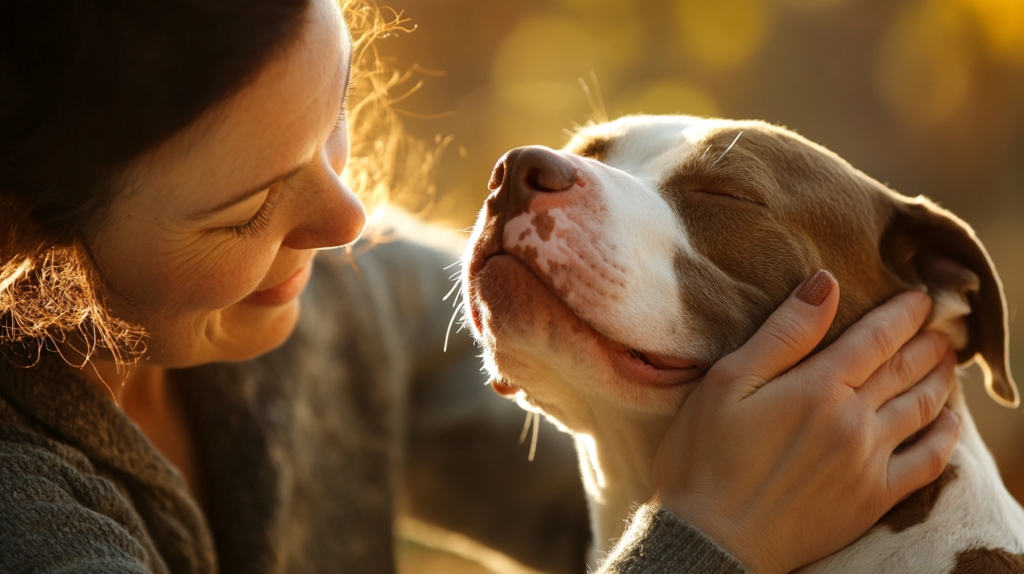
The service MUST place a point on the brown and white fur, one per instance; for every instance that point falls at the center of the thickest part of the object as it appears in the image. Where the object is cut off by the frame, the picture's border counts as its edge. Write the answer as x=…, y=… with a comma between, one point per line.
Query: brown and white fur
x=603, y=279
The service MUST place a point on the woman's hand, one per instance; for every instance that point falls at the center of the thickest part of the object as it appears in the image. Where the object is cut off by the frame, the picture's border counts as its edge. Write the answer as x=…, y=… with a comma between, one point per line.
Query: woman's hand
x=784, y=465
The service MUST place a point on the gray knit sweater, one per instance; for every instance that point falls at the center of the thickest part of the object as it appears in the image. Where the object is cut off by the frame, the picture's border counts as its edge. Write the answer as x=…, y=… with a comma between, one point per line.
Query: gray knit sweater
x=309, y=453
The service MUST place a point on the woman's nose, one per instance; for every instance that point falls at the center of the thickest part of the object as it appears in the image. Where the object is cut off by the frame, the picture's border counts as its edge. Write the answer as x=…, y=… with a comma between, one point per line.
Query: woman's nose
x=327, y=214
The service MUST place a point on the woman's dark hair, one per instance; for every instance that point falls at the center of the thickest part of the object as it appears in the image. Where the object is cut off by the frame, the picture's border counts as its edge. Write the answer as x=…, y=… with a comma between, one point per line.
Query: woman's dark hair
x=86, y=87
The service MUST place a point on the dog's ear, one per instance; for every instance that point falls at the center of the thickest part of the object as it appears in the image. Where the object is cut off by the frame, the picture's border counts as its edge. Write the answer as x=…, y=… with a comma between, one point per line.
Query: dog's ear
x=929, y=248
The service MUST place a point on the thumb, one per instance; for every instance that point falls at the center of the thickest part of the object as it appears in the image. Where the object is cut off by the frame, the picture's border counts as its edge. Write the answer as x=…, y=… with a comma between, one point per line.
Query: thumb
x=789, y=334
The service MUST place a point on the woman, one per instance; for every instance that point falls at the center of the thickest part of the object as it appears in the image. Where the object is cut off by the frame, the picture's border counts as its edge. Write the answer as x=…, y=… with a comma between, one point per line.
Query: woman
x=169, y=170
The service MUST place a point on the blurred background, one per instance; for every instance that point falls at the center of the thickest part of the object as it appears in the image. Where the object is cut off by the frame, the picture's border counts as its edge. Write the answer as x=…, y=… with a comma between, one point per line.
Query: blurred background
x=925, y=95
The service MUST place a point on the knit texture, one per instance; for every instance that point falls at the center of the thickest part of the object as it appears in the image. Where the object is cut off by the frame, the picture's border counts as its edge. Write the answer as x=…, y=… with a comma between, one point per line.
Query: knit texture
x=657, y=542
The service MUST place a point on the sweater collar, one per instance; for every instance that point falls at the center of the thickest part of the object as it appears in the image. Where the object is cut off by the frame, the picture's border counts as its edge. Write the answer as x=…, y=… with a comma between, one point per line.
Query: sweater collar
x=77, y=413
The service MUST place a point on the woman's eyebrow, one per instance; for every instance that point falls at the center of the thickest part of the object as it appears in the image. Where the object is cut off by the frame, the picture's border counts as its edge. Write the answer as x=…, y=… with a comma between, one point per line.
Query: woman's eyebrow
x=244, y=196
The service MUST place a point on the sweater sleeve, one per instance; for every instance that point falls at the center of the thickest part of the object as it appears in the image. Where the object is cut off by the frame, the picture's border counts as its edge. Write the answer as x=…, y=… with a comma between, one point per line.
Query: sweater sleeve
x=658, y=542
x=56, y=516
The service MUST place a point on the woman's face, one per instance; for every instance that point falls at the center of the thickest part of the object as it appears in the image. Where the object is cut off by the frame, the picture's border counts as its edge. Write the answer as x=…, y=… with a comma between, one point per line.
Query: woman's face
x=212, y=241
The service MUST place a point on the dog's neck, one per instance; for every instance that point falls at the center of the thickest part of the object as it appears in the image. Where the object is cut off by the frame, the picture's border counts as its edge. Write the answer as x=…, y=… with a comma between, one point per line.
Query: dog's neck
x=616, y=459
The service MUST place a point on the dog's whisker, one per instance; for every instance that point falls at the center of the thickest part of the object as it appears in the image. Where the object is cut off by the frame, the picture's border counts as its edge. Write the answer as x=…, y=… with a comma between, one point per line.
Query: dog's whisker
x=454, y=287
x=595, y=99
x=452, y=321
x=536, y=431
x=726, y=150
x=453, y=264
x=526, y=427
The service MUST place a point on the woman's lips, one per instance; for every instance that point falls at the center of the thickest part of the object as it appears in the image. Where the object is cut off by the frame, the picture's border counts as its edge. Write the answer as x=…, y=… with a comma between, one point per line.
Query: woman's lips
x=284, y=291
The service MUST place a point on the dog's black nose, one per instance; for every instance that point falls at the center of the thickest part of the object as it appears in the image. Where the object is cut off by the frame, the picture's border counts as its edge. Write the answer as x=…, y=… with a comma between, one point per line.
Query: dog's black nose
x=526, y=170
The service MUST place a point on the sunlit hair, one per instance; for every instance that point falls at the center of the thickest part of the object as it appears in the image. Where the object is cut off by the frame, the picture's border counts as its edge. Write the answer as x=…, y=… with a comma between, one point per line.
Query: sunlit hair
x=387, y=167
x=51, y=294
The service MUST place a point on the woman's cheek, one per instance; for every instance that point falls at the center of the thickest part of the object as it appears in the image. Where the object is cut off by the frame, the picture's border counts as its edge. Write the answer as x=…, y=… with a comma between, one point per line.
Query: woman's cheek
x=191, y=274
x=217, y=276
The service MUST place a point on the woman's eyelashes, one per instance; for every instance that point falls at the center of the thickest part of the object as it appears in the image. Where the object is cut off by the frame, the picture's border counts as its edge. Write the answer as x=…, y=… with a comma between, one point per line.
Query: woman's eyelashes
x=256, y=225
x=339, y=122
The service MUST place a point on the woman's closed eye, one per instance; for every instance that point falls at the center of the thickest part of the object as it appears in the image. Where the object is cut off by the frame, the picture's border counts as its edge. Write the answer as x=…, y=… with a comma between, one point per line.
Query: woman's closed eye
x=257, y=224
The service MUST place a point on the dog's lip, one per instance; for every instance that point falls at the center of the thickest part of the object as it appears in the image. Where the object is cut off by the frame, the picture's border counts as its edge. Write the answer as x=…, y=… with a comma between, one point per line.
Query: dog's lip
x=476, y=265
x=652, y=368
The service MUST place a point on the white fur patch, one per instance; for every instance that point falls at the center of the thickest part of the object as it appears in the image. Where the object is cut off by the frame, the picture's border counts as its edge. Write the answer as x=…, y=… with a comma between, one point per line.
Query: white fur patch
x=948, y=311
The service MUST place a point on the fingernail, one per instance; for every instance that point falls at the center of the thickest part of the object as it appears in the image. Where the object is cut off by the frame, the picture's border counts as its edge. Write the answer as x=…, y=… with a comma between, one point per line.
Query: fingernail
x=816, y=288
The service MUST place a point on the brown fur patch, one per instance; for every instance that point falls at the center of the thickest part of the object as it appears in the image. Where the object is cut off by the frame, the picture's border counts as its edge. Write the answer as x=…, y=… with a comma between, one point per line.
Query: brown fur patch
x=545, y=224
x=593, y=147
x=988, y=561
x=916, y=508
x=757, y=215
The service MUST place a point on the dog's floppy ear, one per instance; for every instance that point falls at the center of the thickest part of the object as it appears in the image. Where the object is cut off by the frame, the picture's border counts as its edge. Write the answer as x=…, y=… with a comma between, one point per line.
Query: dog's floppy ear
x=930, y=248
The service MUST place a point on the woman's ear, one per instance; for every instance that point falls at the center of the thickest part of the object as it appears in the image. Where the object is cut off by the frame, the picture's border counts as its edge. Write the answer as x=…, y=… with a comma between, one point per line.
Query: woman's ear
x=931, y=249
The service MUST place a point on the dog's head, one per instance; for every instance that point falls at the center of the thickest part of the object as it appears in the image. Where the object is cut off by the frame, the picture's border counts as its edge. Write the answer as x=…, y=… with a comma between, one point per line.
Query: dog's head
x=604, y=279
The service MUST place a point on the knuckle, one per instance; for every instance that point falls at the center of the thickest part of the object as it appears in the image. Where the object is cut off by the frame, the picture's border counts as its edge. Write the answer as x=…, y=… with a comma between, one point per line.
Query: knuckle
x=927, y=407
x=854, y=439
x=884, y=340
x=830, y=397
x=901, y=368
x=788, y=331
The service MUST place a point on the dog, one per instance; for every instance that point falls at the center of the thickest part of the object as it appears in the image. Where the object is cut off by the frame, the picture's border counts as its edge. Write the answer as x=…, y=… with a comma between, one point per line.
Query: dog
x=602, y=280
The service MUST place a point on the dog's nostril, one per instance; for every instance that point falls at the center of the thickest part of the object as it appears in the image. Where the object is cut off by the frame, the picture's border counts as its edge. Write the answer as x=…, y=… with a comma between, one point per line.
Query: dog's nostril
x=497, y=176
x=528, y=170
x=544, y=170
x=533, y=180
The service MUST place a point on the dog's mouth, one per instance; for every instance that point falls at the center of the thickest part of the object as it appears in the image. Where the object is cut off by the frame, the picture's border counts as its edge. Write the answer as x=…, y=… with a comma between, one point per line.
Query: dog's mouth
x=653, y=368
x=631, y=364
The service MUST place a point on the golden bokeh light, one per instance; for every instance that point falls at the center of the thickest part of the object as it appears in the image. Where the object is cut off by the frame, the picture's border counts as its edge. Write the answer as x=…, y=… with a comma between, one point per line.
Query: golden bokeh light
x=601, y=7
x=723, y=33
x=539, y=62
x=923, y=66
x=1002, y=27
x=813, y=4
x=671, y=97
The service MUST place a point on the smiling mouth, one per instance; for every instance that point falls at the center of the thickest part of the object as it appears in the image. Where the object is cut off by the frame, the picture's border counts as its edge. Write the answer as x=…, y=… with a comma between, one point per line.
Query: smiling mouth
x=284, y=291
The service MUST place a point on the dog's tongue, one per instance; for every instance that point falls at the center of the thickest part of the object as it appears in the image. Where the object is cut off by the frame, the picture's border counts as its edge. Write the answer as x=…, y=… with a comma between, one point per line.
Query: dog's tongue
x=666, y=362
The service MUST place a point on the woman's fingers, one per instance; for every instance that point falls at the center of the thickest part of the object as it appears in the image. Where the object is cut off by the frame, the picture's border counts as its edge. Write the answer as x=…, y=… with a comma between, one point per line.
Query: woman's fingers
x=789, y=334
x=871, y=341
x=923, y=461
x=908, y=366
x=908, y=413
